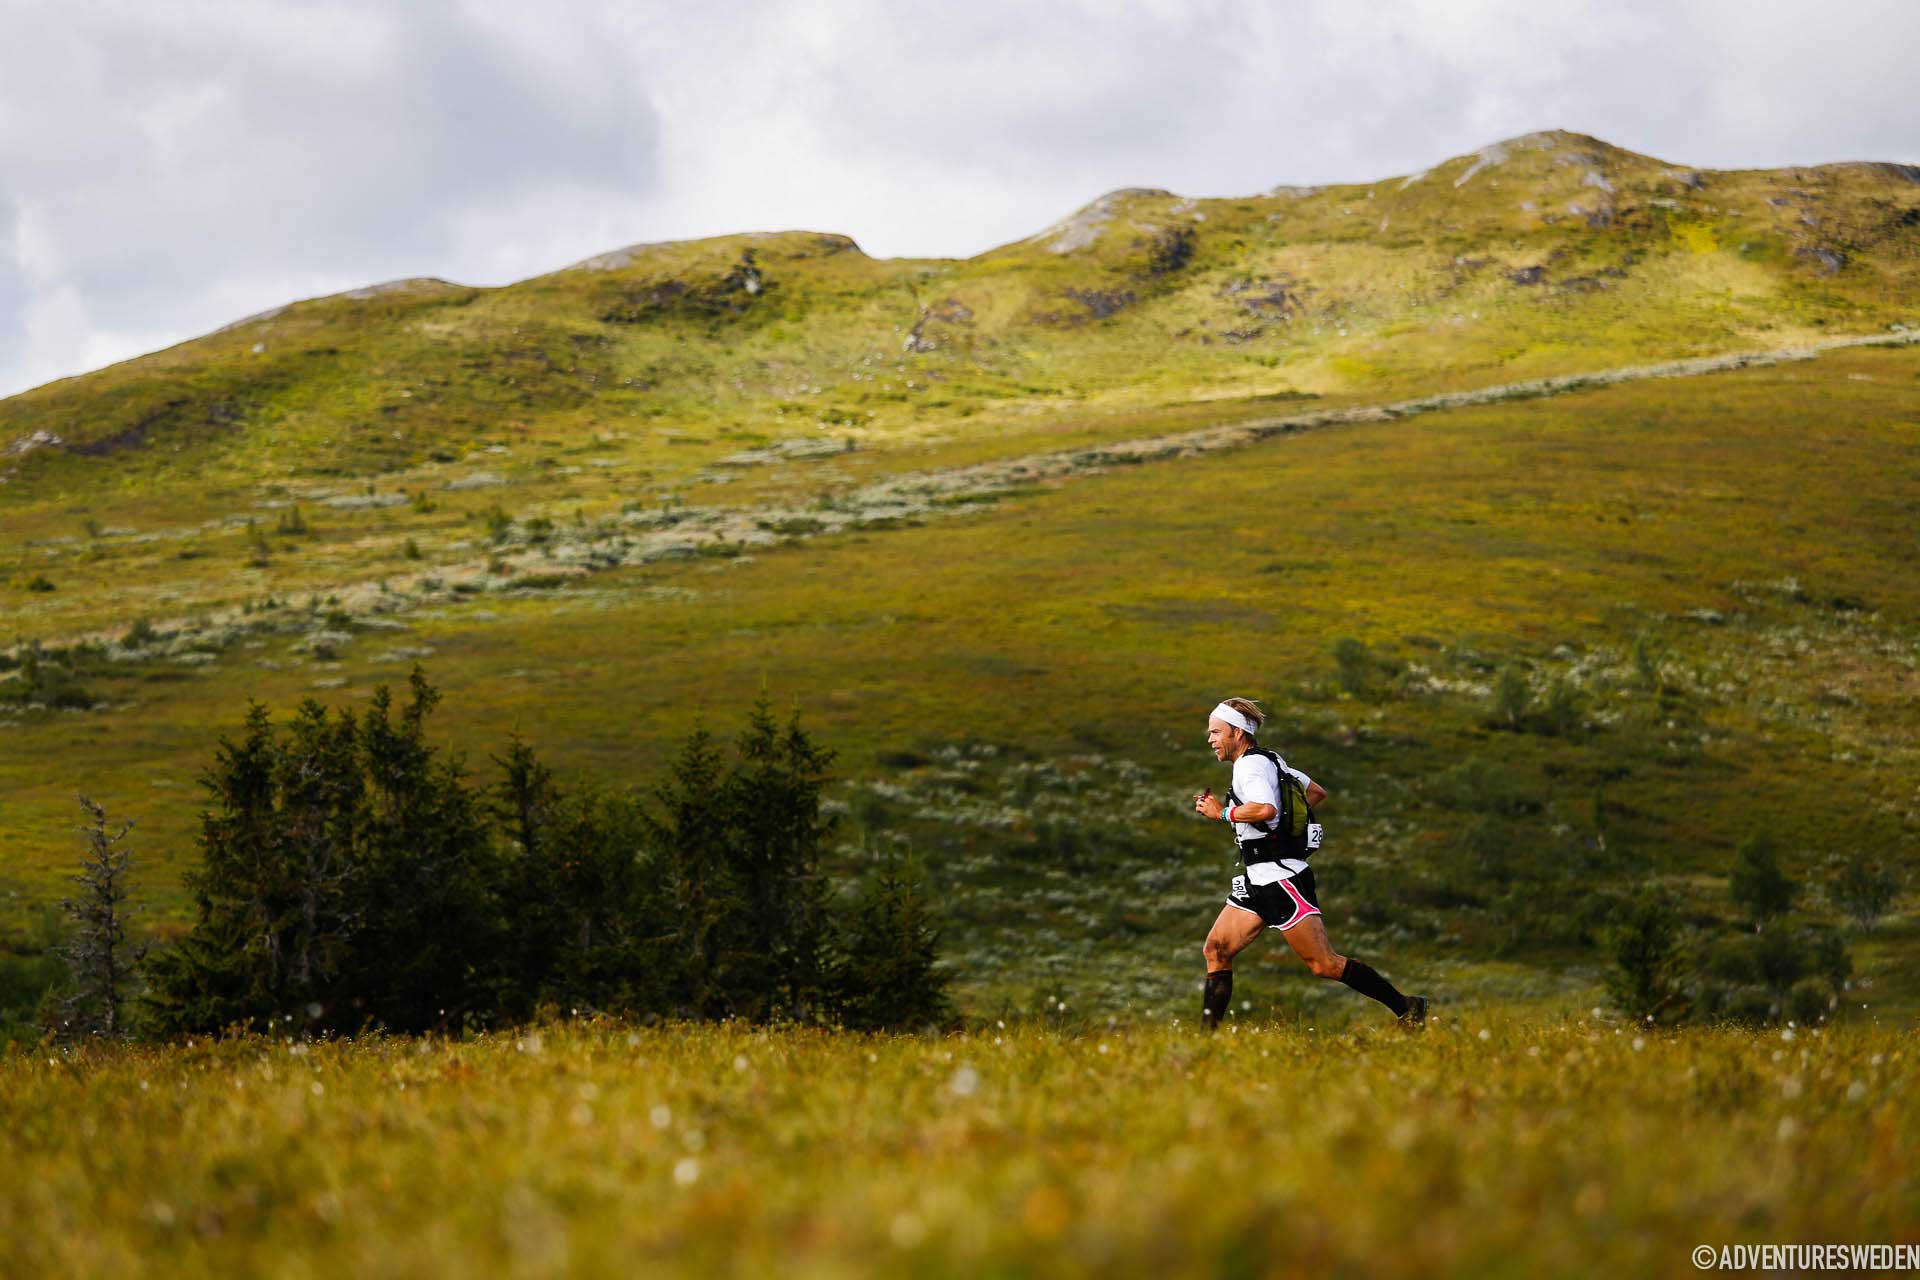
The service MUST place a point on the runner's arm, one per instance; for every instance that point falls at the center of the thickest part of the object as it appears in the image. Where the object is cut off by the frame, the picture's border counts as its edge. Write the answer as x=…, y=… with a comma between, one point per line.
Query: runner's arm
x=1255, y=782
x=1208, y=806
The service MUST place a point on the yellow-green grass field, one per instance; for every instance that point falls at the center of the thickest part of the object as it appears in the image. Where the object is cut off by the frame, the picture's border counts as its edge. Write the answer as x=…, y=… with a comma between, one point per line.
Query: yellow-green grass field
x=1495, y=1145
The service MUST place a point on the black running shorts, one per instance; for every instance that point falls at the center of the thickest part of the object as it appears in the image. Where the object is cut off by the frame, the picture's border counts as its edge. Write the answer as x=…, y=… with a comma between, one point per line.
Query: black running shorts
x=1281, y=903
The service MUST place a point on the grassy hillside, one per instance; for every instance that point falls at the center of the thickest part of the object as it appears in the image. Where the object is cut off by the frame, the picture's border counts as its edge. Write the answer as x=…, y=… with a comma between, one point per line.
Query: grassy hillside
x=1493, y=1146
x=646, y=374
x=1517, y=260
x=1718, y=580
x=1003, y=528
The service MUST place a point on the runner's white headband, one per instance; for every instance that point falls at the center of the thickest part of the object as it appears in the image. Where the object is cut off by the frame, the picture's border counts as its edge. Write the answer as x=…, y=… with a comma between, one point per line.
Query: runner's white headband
x=1232, y=717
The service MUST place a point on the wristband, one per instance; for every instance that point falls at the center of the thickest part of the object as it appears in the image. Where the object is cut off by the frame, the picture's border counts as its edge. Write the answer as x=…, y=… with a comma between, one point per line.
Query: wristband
x=1226, y=813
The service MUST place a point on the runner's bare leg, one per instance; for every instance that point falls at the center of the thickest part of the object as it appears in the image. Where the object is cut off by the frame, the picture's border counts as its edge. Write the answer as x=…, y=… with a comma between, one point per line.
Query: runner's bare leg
x=1232, y=930
x=1309, y=941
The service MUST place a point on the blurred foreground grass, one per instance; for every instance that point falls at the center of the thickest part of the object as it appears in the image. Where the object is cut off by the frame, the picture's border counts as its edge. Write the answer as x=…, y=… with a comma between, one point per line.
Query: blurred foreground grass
x=1496, y=1144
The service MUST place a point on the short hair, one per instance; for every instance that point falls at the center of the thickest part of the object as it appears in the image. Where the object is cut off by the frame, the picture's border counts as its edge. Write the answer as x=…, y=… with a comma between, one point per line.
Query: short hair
x=1248, y=708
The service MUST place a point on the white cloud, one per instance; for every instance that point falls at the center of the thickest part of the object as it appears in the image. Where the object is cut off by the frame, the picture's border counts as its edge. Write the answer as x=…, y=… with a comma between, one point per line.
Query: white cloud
x=166, y=168
x=161, y=164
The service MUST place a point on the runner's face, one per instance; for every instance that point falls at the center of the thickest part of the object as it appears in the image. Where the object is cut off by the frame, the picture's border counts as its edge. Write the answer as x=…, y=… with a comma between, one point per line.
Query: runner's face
x=1223, y=738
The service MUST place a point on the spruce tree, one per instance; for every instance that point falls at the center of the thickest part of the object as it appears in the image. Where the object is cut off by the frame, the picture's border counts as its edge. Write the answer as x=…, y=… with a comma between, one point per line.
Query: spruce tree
x=102, y=963
x=771, y=798
x=886, y=965
x=585, y=921
x=277, y=846
x=1643, y=942
x=1865, y=888
x=425, y=885
x=690, y=834
x=1757, y=884
x=525, y=804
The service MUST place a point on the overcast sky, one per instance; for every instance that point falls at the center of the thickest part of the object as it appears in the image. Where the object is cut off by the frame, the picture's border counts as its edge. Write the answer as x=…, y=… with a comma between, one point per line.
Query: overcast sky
x=167, y=166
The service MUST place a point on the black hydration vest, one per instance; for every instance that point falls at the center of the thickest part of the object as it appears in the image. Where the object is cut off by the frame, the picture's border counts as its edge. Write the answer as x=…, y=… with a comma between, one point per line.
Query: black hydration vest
x=1285, y=835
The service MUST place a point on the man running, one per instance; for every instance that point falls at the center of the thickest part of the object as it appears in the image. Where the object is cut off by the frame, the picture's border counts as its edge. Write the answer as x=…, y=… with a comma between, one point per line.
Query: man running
x=1277, y=887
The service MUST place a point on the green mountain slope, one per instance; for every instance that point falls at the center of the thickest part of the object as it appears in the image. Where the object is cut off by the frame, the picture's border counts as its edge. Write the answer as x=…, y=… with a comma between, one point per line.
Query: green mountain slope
x=640, y=374
x=1541, y=254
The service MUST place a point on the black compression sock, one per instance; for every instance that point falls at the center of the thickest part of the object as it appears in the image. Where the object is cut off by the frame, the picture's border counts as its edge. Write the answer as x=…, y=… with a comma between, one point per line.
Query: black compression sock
x=1362, y=977
x=1215, y=998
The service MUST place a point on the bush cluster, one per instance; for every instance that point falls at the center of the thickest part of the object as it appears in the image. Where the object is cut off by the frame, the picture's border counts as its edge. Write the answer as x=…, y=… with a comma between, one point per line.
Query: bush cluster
x=31, y=973
x=1769, y=965
x=354, y=876
x=49, y=678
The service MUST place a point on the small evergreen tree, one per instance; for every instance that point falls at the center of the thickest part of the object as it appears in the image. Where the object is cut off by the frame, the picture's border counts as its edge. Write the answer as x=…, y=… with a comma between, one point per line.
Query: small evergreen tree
x=585, y=920
x=886, y=969
x=1560, y=714
x=258, y=544
x=102, y=963
x=1643, y=944
x=425, y=890
x=1826, y=954
x=277, y=853
x=771, y=798
x=689, y=834
x=32, y=972
x=525, y=804
x=1865, y=888
x=1757, y=884
x=1511, y=696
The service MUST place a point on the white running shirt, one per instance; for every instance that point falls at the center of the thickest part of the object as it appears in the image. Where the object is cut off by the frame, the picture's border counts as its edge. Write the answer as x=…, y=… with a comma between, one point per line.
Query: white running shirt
x=1256, y=781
